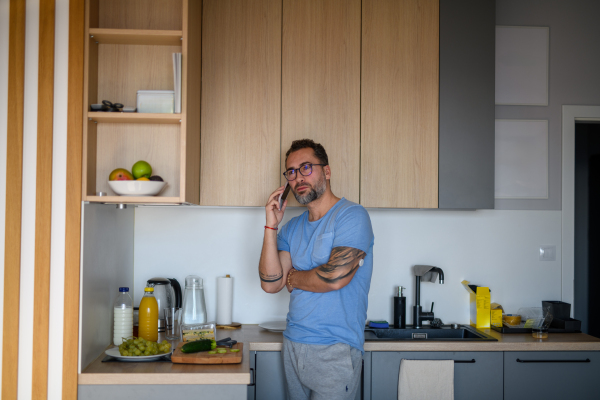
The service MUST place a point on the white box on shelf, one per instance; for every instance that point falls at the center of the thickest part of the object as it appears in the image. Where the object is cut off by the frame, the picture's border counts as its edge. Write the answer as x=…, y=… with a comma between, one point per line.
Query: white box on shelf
x=155, y=101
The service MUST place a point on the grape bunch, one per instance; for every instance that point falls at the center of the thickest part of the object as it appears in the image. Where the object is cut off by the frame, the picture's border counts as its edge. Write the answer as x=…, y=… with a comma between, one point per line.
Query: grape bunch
x=142, y=347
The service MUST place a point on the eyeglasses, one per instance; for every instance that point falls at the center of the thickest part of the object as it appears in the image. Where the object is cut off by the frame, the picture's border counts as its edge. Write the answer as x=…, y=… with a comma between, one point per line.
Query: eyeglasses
x=305, y=170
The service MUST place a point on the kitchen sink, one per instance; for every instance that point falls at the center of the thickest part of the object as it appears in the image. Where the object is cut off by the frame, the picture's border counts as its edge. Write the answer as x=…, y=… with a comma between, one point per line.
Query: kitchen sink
x=446, y=333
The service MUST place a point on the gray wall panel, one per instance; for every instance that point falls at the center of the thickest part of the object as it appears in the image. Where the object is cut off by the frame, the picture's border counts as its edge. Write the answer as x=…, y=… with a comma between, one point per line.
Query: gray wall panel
x=467, y=64
x=573, y=76
x=107, y=264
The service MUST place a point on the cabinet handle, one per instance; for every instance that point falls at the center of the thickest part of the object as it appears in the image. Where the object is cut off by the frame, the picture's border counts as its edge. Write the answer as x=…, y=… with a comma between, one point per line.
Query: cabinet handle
x=471, y=361
x=252, y=378
x=587, y=360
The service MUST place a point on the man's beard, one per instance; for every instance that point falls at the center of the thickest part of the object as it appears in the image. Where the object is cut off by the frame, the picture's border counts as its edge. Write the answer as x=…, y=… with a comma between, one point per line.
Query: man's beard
x=313, y=193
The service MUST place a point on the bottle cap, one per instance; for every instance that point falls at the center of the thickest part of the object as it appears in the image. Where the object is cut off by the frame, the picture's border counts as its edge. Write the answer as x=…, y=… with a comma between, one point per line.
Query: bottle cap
x=123, y=289
x=193, y=282
x=149, y=289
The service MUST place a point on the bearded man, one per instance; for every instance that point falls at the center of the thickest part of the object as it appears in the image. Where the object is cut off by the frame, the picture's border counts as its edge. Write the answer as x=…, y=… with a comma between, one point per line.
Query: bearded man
x=325, y=259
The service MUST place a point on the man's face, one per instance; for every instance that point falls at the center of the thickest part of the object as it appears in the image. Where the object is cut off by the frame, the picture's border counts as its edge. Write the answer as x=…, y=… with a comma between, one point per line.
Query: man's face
x=307, y=188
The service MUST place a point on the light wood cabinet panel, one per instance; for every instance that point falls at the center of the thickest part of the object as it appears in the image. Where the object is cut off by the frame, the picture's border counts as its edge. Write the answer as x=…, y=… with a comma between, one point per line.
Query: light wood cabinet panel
x=124, y=69
x=141, y=14
x=321, y=85
x=241, y=100
x=399, y=103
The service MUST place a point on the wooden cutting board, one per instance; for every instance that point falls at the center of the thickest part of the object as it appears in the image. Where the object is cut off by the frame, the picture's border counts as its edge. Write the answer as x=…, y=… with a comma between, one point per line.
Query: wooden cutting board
x=204, y=358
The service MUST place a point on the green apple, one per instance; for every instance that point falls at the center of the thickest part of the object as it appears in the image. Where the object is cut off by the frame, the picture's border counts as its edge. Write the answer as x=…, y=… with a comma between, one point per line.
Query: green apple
x=120, y=174
x=141, y=169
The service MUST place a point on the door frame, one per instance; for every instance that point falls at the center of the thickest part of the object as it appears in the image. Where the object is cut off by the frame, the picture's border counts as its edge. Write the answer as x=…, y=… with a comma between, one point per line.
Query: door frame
x=570, y=115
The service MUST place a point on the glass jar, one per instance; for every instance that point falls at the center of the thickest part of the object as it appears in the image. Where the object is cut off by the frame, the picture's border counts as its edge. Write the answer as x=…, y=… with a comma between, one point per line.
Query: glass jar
x=193, y=311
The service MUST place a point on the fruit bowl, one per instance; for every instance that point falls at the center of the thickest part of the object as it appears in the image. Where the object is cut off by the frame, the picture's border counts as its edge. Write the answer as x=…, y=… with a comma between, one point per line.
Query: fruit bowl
x=137, y=188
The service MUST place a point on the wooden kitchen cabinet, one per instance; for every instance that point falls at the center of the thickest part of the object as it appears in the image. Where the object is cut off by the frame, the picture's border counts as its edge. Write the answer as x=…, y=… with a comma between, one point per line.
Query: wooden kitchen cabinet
x=399, y=104
x=241, y=102
x=551, y=375
x=321, y=85
x=481, y=378
x=129, y=47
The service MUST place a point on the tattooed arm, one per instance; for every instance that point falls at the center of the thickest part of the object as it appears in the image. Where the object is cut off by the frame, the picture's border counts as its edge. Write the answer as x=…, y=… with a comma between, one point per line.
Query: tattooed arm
x=274, y=265
x=334, y=275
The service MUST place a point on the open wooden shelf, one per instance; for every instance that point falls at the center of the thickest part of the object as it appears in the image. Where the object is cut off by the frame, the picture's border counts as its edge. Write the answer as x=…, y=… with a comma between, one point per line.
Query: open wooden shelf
x=133, y=118
x=133, y=199
x=128, y=47
x=136, y=36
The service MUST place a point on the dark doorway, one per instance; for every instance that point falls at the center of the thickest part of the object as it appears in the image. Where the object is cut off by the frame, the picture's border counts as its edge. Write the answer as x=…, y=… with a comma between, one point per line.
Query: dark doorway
x=587, y=225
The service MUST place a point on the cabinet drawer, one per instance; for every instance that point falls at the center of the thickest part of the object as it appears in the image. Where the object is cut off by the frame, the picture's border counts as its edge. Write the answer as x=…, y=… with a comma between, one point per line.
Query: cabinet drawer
x=551, y=375
x=483, y=376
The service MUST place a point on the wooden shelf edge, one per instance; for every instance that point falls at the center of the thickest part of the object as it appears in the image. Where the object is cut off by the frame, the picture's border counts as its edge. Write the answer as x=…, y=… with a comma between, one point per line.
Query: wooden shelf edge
x=133, y=199
x=137, y=36
x=135, y=118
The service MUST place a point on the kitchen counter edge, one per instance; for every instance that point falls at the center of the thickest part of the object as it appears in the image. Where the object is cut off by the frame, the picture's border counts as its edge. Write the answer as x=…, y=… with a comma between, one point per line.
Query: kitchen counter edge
x=258, y=339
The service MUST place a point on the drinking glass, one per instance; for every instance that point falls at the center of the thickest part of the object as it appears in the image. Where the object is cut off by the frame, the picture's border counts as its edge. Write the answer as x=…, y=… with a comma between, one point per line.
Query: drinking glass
x=172, y=322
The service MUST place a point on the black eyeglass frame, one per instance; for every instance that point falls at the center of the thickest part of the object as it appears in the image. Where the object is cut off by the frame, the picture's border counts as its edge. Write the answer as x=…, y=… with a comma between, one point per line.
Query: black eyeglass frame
x=300, y=171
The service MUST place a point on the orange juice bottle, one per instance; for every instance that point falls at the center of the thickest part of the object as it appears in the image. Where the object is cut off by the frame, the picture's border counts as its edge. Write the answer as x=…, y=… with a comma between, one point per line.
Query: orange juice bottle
x=148, y=318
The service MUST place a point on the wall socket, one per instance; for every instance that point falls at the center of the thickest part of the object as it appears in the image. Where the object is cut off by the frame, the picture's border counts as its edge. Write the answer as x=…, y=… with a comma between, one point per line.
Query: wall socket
x=548, y=253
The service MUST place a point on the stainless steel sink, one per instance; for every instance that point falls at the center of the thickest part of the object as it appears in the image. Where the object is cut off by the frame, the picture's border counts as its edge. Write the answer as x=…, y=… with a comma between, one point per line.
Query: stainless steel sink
x=445, y=333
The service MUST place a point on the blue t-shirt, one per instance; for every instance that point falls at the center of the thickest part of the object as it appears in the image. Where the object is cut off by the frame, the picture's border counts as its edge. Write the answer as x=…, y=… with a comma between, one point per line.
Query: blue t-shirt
x=339, y=315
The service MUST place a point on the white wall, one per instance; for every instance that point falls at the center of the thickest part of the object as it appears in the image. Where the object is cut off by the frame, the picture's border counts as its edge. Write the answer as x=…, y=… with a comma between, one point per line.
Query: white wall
x=495, y=248
x=59, y=194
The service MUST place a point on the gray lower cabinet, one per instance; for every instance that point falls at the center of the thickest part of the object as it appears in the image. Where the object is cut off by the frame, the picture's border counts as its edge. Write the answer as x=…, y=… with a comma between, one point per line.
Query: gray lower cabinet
x=481, y=374
x=551, y=375
x=269, y=376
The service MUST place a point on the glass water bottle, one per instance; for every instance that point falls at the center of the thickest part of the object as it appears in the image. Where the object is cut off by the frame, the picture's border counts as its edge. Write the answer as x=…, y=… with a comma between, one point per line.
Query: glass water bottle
x=193, y=313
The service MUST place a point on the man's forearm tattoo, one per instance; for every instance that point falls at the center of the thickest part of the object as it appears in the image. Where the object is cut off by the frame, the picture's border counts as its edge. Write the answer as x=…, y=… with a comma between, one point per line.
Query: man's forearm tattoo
x=342, y=263
x=270, y=278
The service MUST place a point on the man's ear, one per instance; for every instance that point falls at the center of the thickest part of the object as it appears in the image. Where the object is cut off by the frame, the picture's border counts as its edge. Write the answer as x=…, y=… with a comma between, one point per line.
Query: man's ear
x=327, y=172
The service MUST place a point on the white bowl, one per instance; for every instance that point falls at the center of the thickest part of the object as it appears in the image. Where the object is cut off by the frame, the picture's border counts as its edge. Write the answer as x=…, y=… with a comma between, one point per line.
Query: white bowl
x=137, y=188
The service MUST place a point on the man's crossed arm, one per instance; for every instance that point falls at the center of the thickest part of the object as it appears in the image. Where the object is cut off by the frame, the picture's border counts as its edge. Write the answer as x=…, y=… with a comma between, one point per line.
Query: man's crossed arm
x=333, y=275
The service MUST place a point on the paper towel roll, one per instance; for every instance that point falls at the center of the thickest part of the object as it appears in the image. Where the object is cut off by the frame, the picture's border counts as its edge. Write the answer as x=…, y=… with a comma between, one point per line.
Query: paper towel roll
x=224, y=300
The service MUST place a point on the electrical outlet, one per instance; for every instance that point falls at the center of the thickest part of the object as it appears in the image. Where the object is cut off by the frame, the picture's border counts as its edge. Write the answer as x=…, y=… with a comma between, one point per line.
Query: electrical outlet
x=548, y=253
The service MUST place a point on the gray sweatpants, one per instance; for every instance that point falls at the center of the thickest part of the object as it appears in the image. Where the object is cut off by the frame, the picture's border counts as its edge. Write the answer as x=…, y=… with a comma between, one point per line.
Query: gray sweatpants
x=315, y=372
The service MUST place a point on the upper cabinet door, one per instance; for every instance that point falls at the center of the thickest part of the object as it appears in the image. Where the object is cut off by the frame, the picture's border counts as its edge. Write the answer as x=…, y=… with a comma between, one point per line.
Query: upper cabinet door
x=241, y=98
x=321, y=85
x=399, y=103
x=467, y=109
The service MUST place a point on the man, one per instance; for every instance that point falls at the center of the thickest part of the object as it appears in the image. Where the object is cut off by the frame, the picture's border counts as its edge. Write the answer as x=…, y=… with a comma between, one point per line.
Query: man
x=325, y=258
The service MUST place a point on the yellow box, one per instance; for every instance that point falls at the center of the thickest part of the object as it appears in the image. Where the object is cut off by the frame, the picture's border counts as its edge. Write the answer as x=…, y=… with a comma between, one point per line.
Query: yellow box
x=479, y=306
x=496, y=314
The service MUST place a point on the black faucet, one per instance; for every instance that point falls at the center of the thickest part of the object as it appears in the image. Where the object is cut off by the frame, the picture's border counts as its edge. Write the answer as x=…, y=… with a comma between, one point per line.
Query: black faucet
x=418, y=315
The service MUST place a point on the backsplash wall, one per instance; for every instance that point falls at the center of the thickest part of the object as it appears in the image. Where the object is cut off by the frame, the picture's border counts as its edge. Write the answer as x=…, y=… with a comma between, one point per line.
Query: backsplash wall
x=487, y=247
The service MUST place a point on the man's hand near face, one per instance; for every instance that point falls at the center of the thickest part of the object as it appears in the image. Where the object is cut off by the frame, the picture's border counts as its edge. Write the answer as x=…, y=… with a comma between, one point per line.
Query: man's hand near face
x=273, y=265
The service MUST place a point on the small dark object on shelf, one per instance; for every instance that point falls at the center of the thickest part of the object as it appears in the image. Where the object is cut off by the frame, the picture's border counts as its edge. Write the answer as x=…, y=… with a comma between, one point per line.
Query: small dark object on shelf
x=156, y=178
x=112, y=107
x=98, y=107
